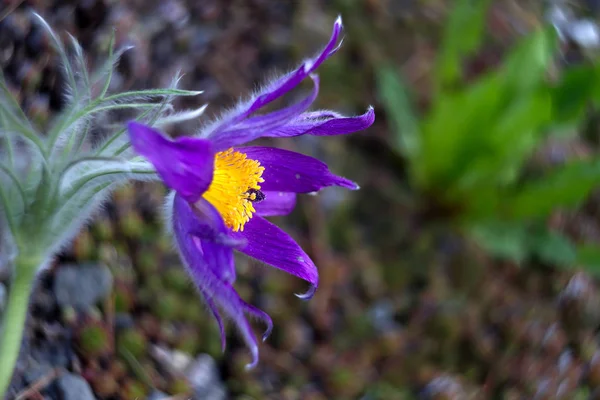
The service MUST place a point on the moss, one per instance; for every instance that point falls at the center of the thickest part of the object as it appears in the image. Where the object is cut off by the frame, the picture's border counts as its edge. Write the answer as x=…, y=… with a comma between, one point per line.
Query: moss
x=176, y=278
x=168, y=306
x=123, y=299
x=133, y=341
x=179, y=386
x=93, y=341
x=133, y=390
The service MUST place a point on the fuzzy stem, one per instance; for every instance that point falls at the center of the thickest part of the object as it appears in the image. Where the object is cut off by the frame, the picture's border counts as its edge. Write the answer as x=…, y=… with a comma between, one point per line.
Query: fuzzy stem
x=14, y=318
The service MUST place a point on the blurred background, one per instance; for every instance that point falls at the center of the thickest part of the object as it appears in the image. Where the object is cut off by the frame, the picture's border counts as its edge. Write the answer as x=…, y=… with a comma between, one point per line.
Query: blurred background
x=465, y=267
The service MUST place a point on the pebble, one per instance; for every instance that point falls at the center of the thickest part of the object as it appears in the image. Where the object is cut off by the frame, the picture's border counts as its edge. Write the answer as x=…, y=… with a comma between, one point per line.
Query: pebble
x=560, y=17
x=381, y=315
x=82, y=286
x=36, y=371
x=124, y=321
x=157, y=395
x=446, y=387
x=53, y=351
x=74, y=387
x=585, y=33
x=203, y=376
x=174, y=360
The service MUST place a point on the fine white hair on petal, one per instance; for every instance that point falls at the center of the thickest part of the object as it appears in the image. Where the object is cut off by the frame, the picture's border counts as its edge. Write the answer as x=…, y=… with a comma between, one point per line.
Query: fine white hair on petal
x=241, y=105
x=181, y=116
x=103, y=170
x=271, y=85
x=168, y=212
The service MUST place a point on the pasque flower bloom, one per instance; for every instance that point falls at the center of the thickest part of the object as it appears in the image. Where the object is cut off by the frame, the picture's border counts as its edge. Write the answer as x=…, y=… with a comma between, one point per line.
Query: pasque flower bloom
x=222, y=192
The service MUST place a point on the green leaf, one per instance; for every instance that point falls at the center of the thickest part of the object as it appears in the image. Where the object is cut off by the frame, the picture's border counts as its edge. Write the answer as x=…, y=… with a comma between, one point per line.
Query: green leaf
x=109, y=65
x=462, y=36
x=96, y=171
x=502, y=239
x=145, y=94
x=588, y=257
x=399, y=109
x=553, y=248
x=566, y=186
x=68, y=68
x=495, y=121
x=454, y=131
x=574, y=93
x=527, y=64
x=14, y=120
x=507, y=144
x=81, y=66
x=16, y=184
x=517, y=241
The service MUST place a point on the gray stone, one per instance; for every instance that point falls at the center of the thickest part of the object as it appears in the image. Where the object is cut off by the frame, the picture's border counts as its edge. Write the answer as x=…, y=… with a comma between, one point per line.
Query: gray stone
x=560, y=17
x=56, y=352
x=123, y=321
x=204, y=378
x=446, y=386
x=74, y=387
x=381, y=315
x=174, y=360
x=82, y=286
x=157, y=395
x=585, y=33
x=216, y=392
x=35, y=371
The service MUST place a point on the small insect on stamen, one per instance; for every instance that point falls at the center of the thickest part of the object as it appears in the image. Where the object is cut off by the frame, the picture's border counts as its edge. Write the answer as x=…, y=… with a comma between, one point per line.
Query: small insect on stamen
x=255, y=195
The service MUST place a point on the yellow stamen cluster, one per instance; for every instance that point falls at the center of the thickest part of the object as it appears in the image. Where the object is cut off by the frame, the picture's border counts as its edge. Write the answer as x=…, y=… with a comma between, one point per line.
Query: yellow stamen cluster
x=233, y=189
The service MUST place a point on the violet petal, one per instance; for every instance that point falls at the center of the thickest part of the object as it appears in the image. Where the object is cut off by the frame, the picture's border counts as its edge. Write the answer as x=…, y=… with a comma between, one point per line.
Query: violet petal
x=209, y=281
x=185, y=164
x=275, y=204
x=271, y=245
x=260, y=125
x=215, y=312
x=288, y=171
x=207, y=235
x=325, y=124
x=280, y=86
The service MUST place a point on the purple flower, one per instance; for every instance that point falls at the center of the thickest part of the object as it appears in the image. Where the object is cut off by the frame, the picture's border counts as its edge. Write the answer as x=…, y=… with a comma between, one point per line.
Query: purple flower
x=223, y=191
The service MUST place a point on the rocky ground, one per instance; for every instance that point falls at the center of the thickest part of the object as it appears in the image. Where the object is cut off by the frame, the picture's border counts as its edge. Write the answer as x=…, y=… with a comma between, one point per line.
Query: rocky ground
x=406, y=309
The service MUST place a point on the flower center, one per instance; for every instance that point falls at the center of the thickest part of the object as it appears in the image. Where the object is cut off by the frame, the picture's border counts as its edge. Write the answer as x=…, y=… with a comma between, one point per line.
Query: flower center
x=235, y=186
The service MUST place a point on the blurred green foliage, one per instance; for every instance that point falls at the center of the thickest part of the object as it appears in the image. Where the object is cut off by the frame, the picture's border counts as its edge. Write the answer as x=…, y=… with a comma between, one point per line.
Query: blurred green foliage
x=470, y=150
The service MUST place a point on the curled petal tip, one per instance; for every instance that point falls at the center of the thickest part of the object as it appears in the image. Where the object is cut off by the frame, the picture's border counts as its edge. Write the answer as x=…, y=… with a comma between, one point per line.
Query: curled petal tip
x=368, y=117
x=348, y=184
x=309, y=294
x=338, y=21
x=254, y=362
x=268, y=330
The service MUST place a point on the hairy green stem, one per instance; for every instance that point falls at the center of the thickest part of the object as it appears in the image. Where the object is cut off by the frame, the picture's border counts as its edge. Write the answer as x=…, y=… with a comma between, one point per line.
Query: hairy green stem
x=14, y=319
